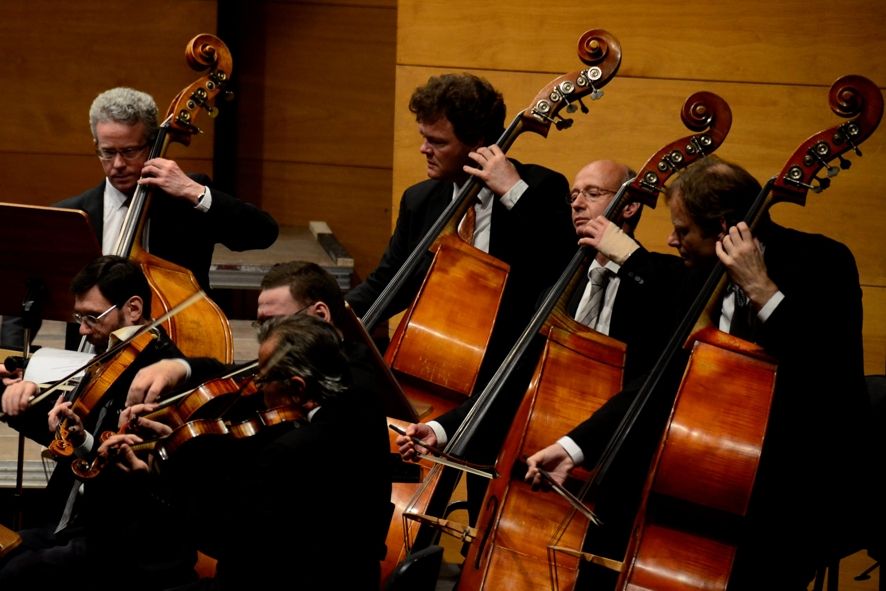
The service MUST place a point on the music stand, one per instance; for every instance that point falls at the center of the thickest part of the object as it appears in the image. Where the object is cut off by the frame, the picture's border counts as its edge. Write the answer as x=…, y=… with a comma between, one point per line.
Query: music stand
x=44, y=248
x=48, y=245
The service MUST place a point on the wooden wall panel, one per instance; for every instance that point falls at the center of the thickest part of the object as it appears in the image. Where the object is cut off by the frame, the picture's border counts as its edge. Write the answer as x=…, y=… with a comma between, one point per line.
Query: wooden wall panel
x=874, y=299
x=353, y=200
x=316, y=110
x=57, y=57
x=787, y=42
x=321, y=92
x=773, y=66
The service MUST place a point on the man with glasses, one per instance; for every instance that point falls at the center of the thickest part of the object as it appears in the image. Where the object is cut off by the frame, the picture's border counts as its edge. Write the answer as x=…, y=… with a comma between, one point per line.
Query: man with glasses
x=187, y=218
x=83, y=539
x=287, y=289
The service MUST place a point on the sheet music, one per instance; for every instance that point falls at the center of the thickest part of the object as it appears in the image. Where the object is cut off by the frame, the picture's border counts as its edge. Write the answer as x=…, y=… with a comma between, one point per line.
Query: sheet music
x=48, y=365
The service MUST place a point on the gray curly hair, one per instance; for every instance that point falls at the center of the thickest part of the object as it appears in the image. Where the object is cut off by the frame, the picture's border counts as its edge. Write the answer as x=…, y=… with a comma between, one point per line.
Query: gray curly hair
x=308, y=347
x=124, y=105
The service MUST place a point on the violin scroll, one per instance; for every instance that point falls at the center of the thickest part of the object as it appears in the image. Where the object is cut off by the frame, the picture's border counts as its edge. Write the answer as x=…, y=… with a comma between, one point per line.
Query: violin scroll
x=850, y=96
x=601, y=52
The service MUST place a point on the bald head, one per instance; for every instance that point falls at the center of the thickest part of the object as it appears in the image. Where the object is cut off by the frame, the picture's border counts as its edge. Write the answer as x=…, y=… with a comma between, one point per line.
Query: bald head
x=593, y=189
x=604, y=174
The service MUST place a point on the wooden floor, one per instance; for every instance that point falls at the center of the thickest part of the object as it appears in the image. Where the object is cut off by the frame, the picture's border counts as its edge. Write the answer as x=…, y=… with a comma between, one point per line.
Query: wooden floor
x=245, y=348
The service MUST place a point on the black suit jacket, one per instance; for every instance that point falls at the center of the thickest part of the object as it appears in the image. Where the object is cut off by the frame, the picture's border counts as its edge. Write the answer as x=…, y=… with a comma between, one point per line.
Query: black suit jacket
x=276, y=520
x=646, y=308
x=181, y=234
x=535, y=238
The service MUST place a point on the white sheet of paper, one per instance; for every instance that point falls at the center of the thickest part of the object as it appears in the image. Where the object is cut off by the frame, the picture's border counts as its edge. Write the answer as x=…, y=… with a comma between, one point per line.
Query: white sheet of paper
x=48, y=365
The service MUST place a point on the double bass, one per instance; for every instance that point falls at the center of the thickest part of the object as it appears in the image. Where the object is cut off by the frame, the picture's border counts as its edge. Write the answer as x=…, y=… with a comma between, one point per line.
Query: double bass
x=577, y=370
x=435, y=359
x=699, y=486
x=438, y=347
x=203, y=330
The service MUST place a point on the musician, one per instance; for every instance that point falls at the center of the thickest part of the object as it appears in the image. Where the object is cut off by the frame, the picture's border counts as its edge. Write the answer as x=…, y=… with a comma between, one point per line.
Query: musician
x=818, y=426
x=276, y=520
x=187, y=217
x=92, y=536
x=287, y=289
x=635, y=308
x=522, y=217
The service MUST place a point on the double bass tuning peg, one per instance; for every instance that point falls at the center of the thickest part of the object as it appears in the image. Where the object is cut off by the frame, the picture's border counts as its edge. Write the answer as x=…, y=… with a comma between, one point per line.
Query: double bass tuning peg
x=563, y=123
x=571, y=108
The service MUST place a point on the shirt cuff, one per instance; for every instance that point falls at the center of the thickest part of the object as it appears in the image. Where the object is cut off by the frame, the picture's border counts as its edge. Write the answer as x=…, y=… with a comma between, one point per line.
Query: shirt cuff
x=204, y=202
x=186, y=364
x=438, y=430
x=770, y=306
x=572, y=449
x=513, y=195
x=82, y=450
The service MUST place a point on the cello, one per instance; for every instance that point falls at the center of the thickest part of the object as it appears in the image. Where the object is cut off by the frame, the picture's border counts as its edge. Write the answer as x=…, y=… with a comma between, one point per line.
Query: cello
x=577, y=370
x=203, y=331
x=434, y=357
x=699, y=486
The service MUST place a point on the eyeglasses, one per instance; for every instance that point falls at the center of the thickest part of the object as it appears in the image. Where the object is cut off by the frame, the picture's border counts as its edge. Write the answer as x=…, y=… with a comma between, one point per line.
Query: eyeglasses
x=90, y=319
x=128, y=154
x=257, y=324
x=589, y=193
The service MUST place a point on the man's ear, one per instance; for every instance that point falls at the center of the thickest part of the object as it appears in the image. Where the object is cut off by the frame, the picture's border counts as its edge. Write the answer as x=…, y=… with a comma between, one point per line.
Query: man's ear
x=321, y=311
x=298, y=383
x=134, y=309
x=630, y=210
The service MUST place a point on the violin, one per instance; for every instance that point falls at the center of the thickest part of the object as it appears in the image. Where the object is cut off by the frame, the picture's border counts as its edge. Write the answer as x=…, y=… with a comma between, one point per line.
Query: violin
x=278, y=415
x=210, y=398
x=163, y=447
x=98, y=379
x=204, y=429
